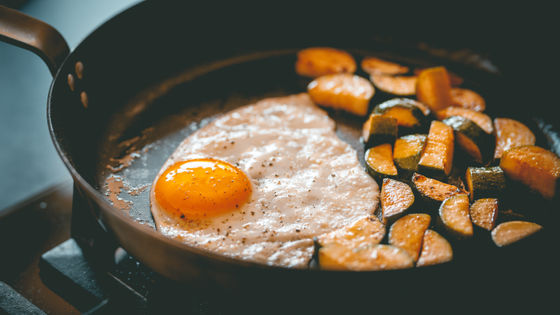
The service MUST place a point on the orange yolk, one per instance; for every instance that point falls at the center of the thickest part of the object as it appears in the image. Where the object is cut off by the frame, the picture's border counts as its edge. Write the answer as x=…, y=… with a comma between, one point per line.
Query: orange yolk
x=202, y=188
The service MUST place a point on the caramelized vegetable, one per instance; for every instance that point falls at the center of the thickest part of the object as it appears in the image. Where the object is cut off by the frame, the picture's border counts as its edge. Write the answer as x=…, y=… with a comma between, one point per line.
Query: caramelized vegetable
x=454, y=79
x=374, y=65
x=396, y=198
x=513, y=231
x=433, y=88
x=454, y=214
x=484, y=213
x=467, y=99
x=408, y=113
x=537, y=168
x=379, y=129
x=407, y=152
x=434, y=190
x=480, y=119
x=342, y=91
x=471, y=138
x=510, y=134
x=435, y=250
x=399, y=85
x=363, y=233
x=376, y=257
x=408, y=232
x=379, y=161
x=319, y=61
x=485, y=182
x=437, y=157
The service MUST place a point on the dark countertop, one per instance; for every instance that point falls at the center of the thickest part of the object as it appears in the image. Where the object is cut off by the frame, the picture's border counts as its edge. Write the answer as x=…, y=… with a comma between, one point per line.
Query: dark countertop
x=28, y=161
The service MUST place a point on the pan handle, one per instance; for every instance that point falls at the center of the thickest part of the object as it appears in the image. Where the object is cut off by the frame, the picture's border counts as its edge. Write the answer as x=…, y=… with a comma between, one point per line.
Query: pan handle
x=26, y=32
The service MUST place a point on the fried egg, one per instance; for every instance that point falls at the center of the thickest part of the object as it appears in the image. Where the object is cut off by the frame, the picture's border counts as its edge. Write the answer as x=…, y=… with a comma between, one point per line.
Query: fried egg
x=259, y=182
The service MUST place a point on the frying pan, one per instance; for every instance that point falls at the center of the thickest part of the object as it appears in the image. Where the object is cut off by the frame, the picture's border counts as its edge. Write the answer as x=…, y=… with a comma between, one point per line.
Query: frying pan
x=158, y=71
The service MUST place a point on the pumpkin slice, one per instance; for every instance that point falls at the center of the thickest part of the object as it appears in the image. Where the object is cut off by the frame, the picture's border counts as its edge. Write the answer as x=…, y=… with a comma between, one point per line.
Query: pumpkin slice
x=466, y=98
x=410, y=114
x=433, y=88
x=342, y=91
x=379, y=161
x=454, y=79
x=408, y=232
x=407, y=152
x=373, y=65
x=471, y=138
x=376, y=257
x=535, y=167
x=362, y=233
x=396, y=85
x=434, y=190
x=511, y=134
x=480, y=119
x=435, y=250
x=454, y=214
x=396, y=198
x=513, y=231
x=485, y=182
x=437, y=157
x=484, y=213
x=379, y=129
x=318, y=61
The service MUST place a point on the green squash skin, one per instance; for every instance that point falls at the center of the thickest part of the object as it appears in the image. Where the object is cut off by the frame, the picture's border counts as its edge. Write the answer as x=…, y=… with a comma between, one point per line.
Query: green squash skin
x=484, y=141
x=382, y=130
x=407, y=104
x=487, y=182
x=408, y=165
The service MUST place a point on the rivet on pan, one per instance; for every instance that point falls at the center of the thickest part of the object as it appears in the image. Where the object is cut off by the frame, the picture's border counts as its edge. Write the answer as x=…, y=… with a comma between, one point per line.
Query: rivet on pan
x=79, y=69
x=84, y=98
x=71, y=82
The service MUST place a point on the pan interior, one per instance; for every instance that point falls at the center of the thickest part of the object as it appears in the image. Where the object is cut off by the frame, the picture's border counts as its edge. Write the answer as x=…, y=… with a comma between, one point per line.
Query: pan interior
x=142, y=135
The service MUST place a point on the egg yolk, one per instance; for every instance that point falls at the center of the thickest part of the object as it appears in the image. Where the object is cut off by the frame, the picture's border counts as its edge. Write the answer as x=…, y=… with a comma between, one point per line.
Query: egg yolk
x=202, y=188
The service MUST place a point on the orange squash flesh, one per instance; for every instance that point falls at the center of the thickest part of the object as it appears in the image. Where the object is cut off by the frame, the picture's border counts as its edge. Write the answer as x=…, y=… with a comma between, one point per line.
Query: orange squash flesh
x=408, y=232
x=484, y=213
x=434, y=189
x=379, y=160
x=376, y=257
x=433, y=88
x=399, y=85
x=435, y=250
x=342, y=91
x=454, y=213
x=513, y=231
x=373, y=65
x=319, y=61
x=396, y=198
x=469, y=99
x=437, y=156
x=482, y=120
x=510, y=134
x=537, y=168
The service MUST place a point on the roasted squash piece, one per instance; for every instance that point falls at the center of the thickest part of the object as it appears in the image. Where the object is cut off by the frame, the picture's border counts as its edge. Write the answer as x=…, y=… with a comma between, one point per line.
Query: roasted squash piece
x=396, y=198
x=376, y=257
x=471, y=138
x=437, y=157
x=484, y=213
x=379, y=129
x=454, y=214
x=435, y=250
x=408, y=232
x=535, y=167
x=407, y=151
x=485, y=182
x=434, y=190
x=513, y=231
x=362, y=233
x=319, y=61
x=481, y=119
x=342, y=91
x=510, y=134
x=396, y=85
x=379, y=161
x=466, y=98
x=374, y=65
x=433, y=88
x=454, y=79
x=408, y=113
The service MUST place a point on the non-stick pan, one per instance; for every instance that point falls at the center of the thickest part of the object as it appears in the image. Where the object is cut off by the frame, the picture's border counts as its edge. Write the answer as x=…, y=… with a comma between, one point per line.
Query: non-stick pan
x=158, y=71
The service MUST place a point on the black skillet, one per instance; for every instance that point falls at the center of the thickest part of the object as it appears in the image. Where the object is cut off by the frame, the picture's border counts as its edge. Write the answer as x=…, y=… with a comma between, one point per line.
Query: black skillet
x=153, y=74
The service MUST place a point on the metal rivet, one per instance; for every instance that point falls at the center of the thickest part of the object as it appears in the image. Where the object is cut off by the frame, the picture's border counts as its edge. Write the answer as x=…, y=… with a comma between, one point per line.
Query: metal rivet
x=71, y=82
x=84, y=98
x=79, y=69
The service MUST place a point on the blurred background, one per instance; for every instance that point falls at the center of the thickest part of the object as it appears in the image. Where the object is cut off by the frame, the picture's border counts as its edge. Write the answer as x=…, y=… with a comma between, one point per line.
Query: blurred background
x=28, y=161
